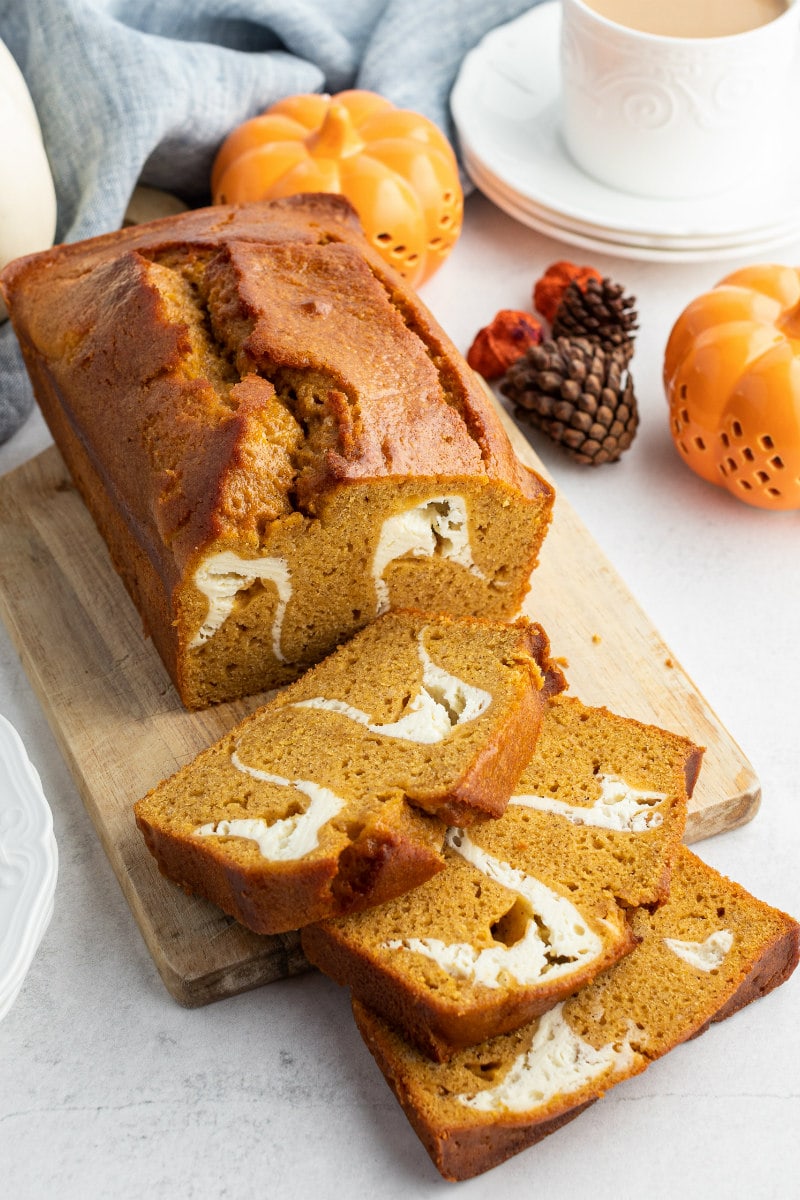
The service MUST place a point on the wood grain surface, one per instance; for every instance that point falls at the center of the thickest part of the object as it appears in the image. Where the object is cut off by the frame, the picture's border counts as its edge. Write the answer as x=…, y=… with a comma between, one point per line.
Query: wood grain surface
x=122, y=728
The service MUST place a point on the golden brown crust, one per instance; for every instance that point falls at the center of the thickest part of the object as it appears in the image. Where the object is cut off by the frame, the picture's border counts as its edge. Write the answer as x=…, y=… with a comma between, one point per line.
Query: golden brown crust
x=462, y=1155
x=484, y=789
x=96, y=305
x=774, y=967
x=458, y=1152
x=297, y=218
x=29, y=282
x=691, y=770
x=378, y=866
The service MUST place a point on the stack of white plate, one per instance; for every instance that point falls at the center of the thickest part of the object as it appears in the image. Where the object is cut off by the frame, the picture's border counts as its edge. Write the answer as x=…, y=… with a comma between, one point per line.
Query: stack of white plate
x=506, y=109
x=28, y=864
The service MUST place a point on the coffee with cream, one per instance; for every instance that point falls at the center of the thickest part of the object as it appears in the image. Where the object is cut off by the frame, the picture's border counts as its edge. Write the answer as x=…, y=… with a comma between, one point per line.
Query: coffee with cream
x=690, y=18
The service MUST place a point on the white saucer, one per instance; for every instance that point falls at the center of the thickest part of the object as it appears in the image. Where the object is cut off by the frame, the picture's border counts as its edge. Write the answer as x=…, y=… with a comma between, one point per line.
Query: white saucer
x=28, y=864
x=623, y=249
x=496, y=188
x=619, y=246
x=505, y=106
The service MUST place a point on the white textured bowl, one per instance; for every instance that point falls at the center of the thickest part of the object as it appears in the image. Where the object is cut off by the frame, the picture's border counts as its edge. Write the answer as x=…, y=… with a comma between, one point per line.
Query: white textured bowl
x=28, y=864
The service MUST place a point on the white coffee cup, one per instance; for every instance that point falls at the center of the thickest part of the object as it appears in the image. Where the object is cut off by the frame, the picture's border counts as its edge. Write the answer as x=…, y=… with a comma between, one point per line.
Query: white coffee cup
x=675, y=116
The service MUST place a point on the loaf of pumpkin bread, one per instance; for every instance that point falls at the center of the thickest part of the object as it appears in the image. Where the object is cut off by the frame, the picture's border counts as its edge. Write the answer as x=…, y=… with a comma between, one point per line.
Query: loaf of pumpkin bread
x=273, y=435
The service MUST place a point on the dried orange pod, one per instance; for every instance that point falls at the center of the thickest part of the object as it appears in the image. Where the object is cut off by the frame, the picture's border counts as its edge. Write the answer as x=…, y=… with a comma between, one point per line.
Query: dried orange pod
x=503, y=342
x=395, y=167
x=732, y=378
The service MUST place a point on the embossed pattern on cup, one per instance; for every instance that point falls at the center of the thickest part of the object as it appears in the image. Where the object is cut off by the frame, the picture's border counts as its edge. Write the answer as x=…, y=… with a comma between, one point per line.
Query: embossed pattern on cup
x=672, y=117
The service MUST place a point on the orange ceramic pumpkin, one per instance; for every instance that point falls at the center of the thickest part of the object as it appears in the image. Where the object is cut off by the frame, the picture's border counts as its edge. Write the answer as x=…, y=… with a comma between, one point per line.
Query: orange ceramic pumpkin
x=395, y=167
x=732, y=376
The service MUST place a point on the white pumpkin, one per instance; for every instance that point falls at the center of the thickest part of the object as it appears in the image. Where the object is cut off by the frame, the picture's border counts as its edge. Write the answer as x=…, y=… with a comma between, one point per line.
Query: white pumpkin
x=27, y=195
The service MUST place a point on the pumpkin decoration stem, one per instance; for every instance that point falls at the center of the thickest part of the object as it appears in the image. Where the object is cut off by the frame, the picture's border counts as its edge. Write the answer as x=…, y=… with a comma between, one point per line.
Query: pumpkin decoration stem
x=336, y=136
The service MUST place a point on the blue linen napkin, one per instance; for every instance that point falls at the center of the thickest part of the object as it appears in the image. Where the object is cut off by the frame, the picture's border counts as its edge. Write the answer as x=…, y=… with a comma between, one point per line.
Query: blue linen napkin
x=145, y=91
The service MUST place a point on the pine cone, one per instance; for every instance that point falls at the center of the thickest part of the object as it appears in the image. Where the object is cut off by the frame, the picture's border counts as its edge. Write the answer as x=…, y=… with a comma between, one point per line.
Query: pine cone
x=599, y=311
x=579, y=393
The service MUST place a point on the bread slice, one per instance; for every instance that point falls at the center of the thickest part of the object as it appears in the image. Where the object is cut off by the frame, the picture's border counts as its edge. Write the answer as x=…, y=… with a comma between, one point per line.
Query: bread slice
x=532, y=906
x=708, y=951
x=273, y=435
x=570, y=792
x=332, y=797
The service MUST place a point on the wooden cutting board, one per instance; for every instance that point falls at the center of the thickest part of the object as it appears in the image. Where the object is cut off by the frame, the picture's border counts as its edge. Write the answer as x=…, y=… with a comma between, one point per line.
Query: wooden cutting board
x=121, y=727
